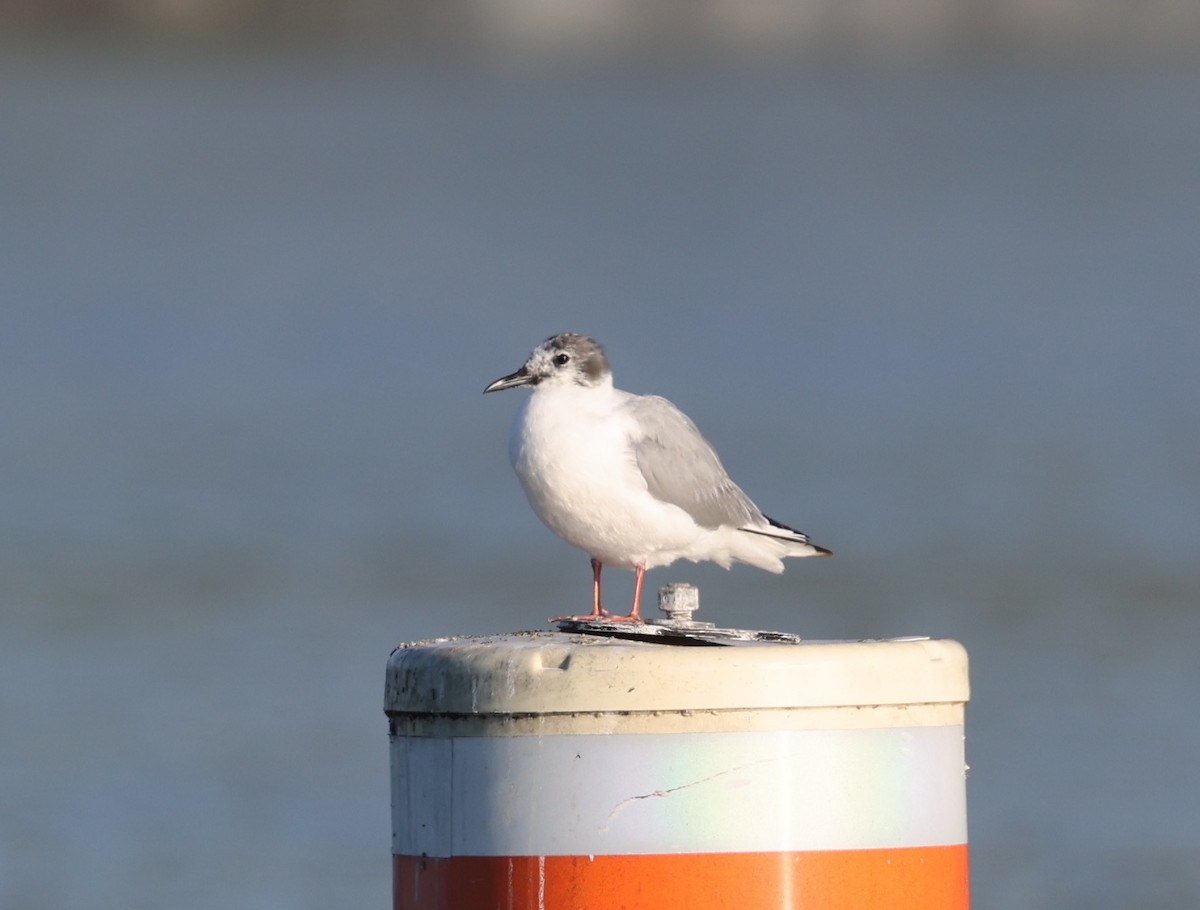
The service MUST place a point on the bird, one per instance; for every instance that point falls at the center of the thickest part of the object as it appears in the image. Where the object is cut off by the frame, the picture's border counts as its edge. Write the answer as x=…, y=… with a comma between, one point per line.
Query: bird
x=628, y=478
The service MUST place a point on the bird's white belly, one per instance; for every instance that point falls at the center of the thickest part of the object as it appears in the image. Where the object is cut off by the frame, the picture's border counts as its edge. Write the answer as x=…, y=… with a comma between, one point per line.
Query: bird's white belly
x=583, y=483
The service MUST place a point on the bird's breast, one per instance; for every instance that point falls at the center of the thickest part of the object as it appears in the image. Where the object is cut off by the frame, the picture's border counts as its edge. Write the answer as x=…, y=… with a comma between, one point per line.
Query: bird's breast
x=576, y=466
x=566, y=455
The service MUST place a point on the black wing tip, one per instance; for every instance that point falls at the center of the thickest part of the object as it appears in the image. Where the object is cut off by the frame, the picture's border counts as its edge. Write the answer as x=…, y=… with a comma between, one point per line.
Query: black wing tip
x=791, y=534
x=779, y=524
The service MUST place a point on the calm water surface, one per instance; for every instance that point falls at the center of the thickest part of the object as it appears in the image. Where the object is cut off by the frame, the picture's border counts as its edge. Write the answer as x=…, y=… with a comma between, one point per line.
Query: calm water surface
x=947, y=323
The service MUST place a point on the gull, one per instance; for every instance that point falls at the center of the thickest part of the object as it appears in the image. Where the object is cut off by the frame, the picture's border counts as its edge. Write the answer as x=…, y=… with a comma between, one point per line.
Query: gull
x=628, y=478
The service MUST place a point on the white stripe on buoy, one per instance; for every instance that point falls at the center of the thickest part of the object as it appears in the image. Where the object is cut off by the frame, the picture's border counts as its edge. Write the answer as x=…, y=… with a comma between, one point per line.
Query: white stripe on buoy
x=694, y=793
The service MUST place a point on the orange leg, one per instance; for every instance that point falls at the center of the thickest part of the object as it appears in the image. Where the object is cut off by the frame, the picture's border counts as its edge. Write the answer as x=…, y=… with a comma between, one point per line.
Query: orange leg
x=598, y=612
x=639, y=575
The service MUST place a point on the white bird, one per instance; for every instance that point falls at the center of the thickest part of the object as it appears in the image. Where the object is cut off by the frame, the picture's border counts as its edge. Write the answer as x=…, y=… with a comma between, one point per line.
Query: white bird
x=628, y=478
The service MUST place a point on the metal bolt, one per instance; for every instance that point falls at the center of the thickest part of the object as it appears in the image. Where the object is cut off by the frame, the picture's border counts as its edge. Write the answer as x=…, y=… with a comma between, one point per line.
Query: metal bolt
x=678, y=601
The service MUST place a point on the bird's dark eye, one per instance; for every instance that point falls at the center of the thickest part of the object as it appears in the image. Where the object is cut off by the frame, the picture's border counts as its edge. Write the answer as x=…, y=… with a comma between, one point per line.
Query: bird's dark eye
x=561, y=359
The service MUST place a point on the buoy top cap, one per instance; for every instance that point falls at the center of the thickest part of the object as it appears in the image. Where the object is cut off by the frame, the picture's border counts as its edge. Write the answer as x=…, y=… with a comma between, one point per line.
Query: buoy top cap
x=552, y=672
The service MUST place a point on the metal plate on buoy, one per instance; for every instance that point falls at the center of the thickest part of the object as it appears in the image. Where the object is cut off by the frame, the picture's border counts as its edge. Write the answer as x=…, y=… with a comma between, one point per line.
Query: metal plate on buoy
x=668, y=632
x=679, y=601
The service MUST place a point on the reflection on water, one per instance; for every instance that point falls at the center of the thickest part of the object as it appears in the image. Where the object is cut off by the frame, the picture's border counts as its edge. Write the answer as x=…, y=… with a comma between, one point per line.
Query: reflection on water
x=945, y=324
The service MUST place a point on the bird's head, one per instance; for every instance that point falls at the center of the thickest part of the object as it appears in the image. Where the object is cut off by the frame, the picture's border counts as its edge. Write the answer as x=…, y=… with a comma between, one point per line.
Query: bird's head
x=560, y=360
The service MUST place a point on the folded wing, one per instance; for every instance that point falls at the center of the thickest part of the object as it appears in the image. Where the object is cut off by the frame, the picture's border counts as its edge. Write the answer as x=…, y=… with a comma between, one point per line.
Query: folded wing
x=681, y=468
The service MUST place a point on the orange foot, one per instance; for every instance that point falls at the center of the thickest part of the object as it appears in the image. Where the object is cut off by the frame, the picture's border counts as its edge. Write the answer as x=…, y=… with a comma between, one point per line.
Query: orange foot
x=602, y=616
x=599, y=615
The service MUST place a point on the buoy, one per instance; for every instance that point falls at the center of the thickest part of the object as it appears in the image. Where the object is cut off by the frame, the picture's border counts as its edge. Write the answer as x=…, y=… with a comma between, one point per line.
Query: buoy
x=564, y=771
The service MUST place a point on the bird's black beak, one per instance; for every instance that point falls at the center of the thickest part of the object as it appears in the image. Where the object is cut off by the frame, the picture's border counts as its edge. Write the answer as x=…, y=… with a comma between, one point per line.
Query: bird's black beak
x=511, y=381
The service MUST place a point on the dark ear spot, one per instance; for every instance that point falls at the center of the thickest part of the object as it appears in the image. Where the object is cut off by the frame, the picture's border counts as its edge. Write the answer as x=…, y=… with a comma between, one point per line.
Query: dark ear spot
x=595, y=365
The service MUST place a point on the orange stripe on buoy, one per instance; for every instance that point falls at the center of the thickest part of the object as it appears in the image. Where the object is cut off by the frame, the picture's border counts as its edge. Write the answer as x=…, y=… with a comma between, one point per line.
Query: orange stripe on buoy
x=904, y=878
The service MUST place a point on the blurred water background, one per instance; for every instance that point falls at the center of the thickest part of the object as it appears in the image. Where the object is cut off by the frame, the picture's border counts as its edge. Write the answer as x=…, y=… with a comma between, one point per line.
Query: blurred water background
x=930, y=286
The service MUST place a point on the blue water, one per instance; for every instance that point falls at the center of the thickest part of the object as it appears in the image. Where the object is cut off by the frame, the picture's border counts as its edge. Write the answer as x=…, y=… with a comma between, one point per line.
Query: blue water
x=946, y=322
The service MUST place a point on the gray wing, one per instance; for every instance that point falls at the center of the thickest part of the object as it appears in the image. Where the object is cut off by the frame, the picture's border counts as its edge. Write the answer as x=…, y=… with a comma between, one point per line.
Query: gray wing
x=681, y=468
